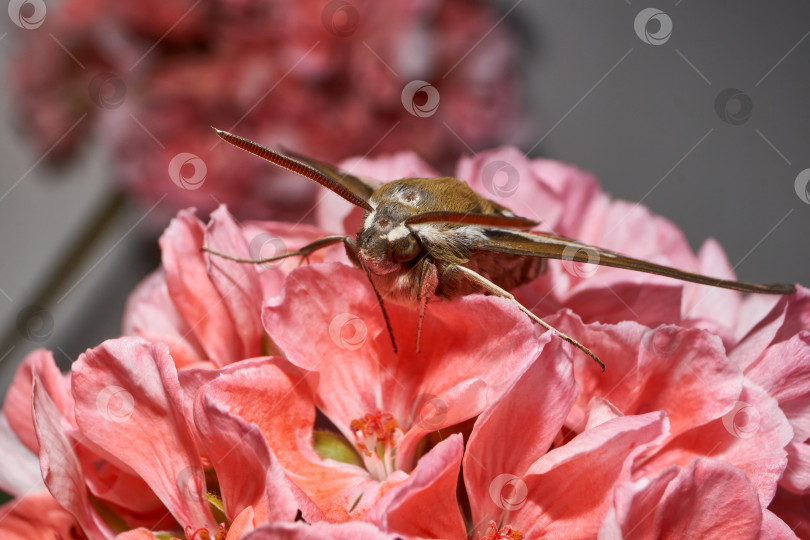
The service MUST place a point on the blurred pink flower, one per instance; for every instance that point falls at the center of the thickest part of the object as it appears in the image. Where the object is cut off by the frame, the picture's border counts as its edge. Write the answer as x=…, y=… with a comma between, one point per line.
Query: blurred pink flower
x=325, y=77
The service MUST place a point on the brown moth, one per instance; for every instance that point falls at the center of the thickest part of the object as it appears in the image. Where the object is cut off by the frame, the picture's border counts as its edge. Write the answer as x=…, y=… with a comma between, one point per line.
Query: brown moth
x=423, y=238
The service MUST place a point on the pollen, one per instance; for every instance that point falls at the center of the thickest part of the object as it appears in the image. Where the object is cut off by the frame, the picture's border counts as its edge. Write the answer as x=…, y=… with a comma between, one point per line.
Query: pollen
x=377, y=429
x=506, y=533
x=204, y=534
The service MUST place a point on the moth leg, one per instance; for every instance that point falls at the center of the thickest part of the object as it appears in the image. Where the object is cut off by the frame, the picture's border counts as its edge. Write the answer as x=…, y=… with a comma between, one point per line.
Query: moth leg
x=428, y=281
x=498, y=291
x=351, y=251
x=304, y=252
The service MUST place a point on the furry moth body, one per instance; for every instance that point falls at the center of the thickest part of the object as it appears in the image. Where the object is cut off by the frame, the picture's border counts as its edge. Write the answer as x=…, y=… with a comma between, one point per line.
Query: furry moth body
x=435, y=237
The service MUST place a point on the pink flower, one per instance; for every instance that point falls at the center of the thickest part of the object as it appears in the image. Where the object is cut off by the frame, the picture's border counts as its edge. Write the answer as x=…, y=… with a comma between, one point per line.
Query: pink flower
x=323, y=77
x=383, y=403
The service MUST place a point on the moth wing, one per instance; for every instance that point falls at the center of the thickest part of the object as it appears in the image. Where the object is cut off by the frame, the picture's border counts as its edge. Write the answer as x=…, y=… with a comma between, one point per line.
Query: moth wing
x=362, y=187
x=552, y=246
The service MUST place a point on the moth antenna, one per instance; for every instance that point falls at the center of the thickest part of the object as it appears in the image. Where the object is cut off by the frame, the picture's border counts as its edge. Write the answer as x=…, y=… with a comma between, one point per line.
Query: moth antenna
x=498, y=291
x=468, y=218
x=293, y=165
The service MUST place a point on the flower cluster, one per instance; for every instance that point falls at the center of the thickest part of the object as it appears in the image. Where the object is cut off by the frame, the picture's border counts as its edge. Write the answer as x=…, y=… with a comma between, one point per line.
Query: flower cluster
x=330, y=77
x=267, y=401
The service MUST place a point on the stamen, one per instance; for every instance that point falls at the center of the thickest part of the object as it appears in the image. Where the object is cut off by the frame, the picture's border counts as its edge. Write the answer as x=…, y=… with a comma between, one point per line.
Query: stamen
x=506, y=533
x=378, y=429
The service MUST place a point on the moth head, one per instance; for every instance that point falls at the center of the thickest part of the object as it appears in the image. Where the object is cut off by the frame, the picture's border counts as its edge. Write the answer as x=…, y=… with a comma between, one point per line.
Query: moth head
x=385, y=242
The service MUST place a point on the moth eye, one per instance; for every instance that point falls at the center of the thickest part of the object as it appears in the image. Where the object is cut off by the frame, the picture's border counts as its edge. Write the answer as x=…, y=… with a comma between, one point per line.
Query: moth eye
x=405, y=250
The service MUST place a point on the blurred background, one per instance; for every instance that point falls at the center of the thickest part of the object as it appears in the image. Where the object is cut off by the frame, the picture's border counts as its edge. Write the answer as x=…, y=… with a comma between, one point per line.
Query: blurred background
x=699, y=110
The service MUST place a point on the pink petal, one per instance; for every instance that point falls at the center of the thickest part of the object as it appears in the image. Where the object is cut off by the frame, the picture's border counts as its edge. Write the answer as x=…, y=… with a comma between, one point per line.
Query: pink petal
x=568, y=491
x=274, y=399
x=248, y=473
x=717, y=309
x=136, y=534
x=425, y=503
x=752, y=436
x=17, y=404
x=681, y=371
x=128, y=402
x=60, y=466
x=150, y=314
x=797, y=472
x=354, y=530
x=632, y=512
x=20, y=473
x=775, y=528
x=788, y=317
x=238, y=284
x=194, y=295
x=545, y=391
x=709, y=499
x=783, y=371
x=37, y=516
x=459, y=363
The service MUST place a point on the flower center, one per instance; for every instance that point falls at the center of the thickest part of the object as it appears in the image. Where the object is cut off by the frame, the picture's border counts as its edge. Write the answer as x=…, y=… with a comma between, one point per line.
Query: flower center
x=506, y=533
x=203, y=534
x=376, y=436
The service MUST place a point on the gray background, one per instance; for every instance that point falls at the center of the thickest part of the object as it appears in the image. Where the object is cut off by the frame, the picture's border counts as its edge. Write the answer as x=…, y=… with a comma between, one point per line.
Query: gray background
x=640, y=116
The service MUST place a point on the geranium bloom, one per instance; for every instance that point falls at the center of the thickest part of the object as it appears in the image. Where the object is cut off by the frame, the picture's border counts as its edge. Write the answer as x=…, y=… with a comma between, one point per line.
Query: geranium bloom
x=326, y=77
x=496, y=430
